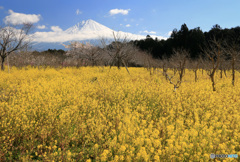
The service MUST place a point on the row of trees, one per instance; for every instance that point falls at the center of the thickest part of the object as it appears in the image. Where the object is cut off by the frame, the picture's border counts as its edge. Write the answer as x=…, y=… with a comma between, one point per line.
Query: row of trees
x=193, y=40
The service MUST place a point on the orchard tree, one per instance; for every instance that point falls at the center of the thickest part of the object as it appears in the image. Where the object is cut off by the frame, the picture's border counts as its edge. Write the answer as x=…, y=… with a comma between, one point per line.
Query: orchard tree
x=214, y=52
x=86, y=51
x=120, y=51
x=13, y=39
x=234, y=51
x=179, y=60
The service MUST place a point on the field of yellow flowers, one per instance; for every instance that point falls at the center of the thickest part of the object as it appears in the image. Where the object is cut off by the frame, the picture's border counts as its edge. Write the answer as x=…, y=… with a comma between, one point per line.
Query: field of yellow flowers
x=103, y=114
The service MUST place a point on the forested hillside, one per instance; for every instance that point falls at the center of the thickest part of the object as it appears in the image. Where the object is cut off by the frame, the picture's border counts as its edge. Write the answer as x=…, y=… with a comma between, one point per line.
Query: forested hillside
x=193, y=40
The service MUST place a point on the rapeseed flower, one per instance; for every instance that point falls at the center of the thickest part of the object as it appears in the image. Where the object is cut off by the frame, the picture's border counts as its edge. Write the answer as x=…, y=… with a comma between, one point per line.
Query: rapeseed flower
x=65, y=114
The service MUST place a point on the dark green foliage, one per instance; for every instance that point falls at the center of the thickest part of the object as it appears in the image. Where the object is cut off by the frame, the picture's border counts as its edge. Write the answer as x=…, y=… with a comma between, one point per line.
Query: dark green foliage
x=51, y=52
x=60, y=51
x=193, y=40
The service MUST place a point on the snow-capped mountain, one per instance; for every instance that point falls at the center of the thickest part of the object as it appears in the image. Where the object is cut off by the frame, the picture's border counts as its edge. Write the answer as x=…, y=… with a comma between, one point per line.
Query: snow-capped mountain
x=88, y=30
x=86, y=26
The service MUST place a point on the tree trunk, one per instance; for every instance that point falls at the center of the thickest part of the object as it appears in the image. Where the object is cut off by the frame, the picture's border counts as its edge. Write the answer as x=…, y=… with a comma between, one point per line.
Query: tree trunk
x=213, y=82
x=164, y=70
x=221, y=71
x=174, y=70
x=195, y=71
x=225, y=73
x=233, y=72
x=181, y=71
x=181, y=74
x=118, y=63
x=2, y=63
x=93, y=62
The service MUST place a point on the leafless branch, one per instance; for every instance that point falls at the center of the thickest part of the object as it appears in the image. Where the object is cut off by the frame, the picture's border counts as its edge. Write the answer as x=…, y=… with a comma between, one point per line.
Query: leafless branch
x=13, y=38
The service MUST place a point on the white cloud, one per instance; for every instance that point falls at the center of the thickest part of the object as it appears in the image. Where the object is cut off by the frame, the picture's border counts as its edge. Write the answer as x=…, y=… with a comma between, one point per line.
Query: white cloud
x=41, y=27
x=63, y=36
x=56, y=29
x=1, y=7
x=118, y=11
x=78, y=12
x=128, y=25
x=149, y=32
x=169, y=33
x=20, y=18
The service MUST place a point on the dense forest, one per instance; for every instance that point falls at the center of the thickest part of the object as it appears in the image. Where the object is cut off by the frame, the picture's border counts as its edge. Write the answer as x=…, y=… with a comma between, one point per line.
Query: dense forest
x=193, y=40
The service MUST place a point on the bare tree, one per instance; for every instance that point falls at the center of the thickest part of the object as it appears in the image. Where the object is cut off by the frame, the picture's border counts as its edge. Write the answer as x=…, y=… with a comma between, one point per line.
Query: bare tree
x=142, y=58
x=94, y=55
x=214, y=52
x=179, y=60
x=120, y=51
x=13, y=39
x=176, y=85
x=234, y=51
x=87, y=52
x=195, y=65
x=164, y=64
x=150, y=63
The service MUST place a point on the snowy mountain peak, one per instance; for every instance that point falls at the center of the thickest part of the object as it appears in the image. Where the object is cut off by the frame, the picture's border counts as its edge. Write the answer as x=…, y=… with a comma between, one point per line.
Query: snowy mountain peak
x=76, y=28
x=88, y=25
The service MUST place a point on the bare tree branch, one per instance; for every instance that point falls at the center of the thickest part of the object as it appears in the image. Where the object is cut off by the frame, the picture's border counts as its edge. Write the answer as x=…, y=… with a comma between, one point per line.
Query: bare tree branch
x=13, y=39
x=120, y=51
x=214, y=52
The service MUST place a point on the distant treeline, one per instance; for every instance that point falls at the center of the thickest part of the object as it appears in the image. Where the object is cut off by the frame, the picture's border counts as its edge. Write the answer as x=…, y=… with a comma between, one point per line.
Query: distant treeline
x=50, y=51
x=193, y=40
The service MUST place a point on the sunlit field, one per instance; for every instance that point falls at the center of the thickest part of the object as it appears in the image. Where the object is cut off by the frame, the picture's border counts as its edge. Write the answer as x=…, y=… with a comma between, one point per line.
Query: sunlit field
x=103, y=114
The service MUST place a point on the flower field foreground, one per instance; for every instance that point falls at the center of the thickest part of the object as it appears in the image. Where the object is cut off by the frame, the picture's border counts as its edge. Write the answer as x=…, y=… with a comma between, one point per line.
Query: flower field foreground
x=103, y=114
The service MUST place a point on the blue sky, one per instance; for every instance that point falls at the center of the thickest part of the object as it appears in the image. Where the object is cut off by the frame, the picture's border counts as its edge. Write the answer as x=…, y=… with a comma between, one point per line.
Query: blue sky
x=158, y=17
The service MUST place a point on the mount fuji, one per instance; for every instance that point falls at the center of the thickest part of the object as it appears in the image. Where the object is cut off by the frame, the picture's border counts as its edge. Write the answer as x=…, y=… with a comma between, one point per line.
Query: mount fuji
x=88, y=26
x=85, y=31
